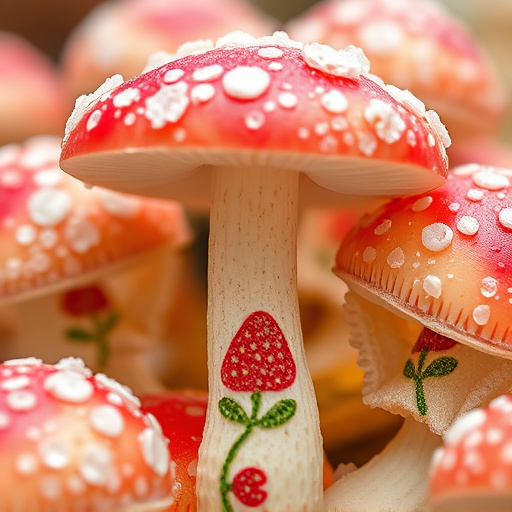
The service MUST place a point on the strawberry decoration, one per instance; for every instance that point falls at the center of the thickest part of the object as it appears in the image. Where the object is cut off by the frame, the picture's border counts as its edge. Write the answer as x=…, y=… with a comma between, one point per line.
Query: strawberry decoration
x=247, y=486
x=429, y=341
x=257, y=360
x=91, y=301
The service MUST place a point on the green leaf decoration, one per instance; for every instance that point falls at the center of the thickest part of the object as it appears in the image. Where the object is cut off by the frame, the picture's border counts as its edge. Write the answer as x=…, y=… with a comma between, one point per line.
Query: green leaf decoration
x=409, y=370
x=278, y=414
x=78, y=334
x=440, y=367
x=111, y=321
x=232, y=411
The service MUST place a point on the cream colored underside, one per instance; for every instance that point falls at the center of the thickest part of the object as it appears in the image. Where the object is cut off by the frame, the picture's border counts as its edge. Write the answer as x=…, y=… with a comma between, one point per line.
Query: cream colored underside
x=184, y=174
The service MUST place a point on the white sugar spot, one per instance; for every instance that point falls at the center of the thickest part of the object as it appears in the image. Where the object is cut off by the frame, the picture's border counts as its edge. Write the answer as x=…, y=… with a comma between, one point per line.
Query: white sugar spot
x=383, y=227
x=350, y=62
x=388, y=123
x=24, y=361
x=84, y=102
x=192, y=468
x=334, y=102
x=339, y=123
x=303, y=133
x=168, y=105
x=69, y=386
x=48, y=177
x=433, y=286
x=396, y=258
x=129, y=119
x=48, y=207
x=75, y=485
x=254, y=120
x=155, y=451
x=437, y=236
x=208, y=73
x=93, y=120
x=107, y=420
x=173, y=75
x=26, y=464
x=481, y=314
x=14, y=383
x=287, y=100
x=421, y=204
x=246, y=82
x=51, y=487
x=321, y=128
x=141, y=486
x=367, y=143
x=475, y=194
x=275, y=66
x=329, y=144
x=119, y=205
x=54, y=453
x=431, y=140
x=25, y=234
x=454, y=207
x=468, y=422
x=407, y=98
x=468, y=225
x=505, y=217
x=76, y=364
x=490, y=180
x=270, y=52
x=95, y=464
x=179, y=134
x=5, y=420
x=439, y=128
x=21, y=400
x=269, y=106
x=81, y=234
x=202, y=93
x=410, y=136
x=126, y=97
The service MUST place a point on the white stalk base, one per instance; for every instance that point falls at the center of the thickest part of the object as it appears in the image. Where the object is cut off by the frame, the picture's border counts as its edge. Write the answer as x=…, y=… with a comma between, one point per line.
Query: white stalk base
x=395, y=480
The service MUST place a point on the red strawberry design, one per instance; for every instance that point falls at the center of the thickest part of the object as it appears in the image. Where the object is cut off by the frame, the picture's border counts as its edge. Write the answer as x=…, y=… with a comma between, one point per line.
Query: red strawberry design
x=432, y=342
x=258, y=358
x=247, y=486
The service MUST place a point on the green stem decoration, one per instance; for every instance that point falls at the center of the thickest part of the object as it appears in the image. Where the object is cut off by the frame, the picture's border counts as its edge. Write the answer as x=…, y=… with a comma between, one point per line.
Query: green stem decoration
x=277, y=415
x=440, y=367
x=98, y=335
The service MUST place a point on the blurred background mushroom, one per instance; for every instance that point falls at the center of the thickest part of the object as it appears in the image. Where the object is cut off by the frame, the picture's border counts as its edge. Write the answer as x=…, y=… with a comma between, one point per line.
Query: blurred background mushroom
x=71, y=264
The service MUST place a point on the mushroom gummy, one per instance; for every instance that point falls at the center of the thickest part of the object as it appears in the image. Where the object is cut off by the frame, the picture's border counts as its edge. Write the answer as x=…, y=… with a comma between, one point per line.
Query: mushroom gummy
x=71, y=440
x=429, y=307
x=244, y=119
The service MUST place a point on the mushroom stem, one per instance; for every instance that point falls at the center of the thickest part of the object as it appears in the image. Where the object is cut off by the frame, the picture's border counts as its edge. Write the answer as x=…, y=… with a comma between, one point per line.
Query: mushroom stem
x=252, y=269
x=396, y=479
x=89, y=337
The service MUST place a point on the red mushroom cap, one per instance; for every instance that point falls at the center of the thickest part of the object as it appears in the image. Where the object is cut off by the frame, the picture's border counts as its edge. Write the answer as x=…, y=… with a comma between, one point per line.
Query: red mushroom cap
x=73, y=441
x=270, y=102
x=182, y=415
x=444, y=257
x=32, y=94
x=416, y=45
x=473, y=469
x=55, y=232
